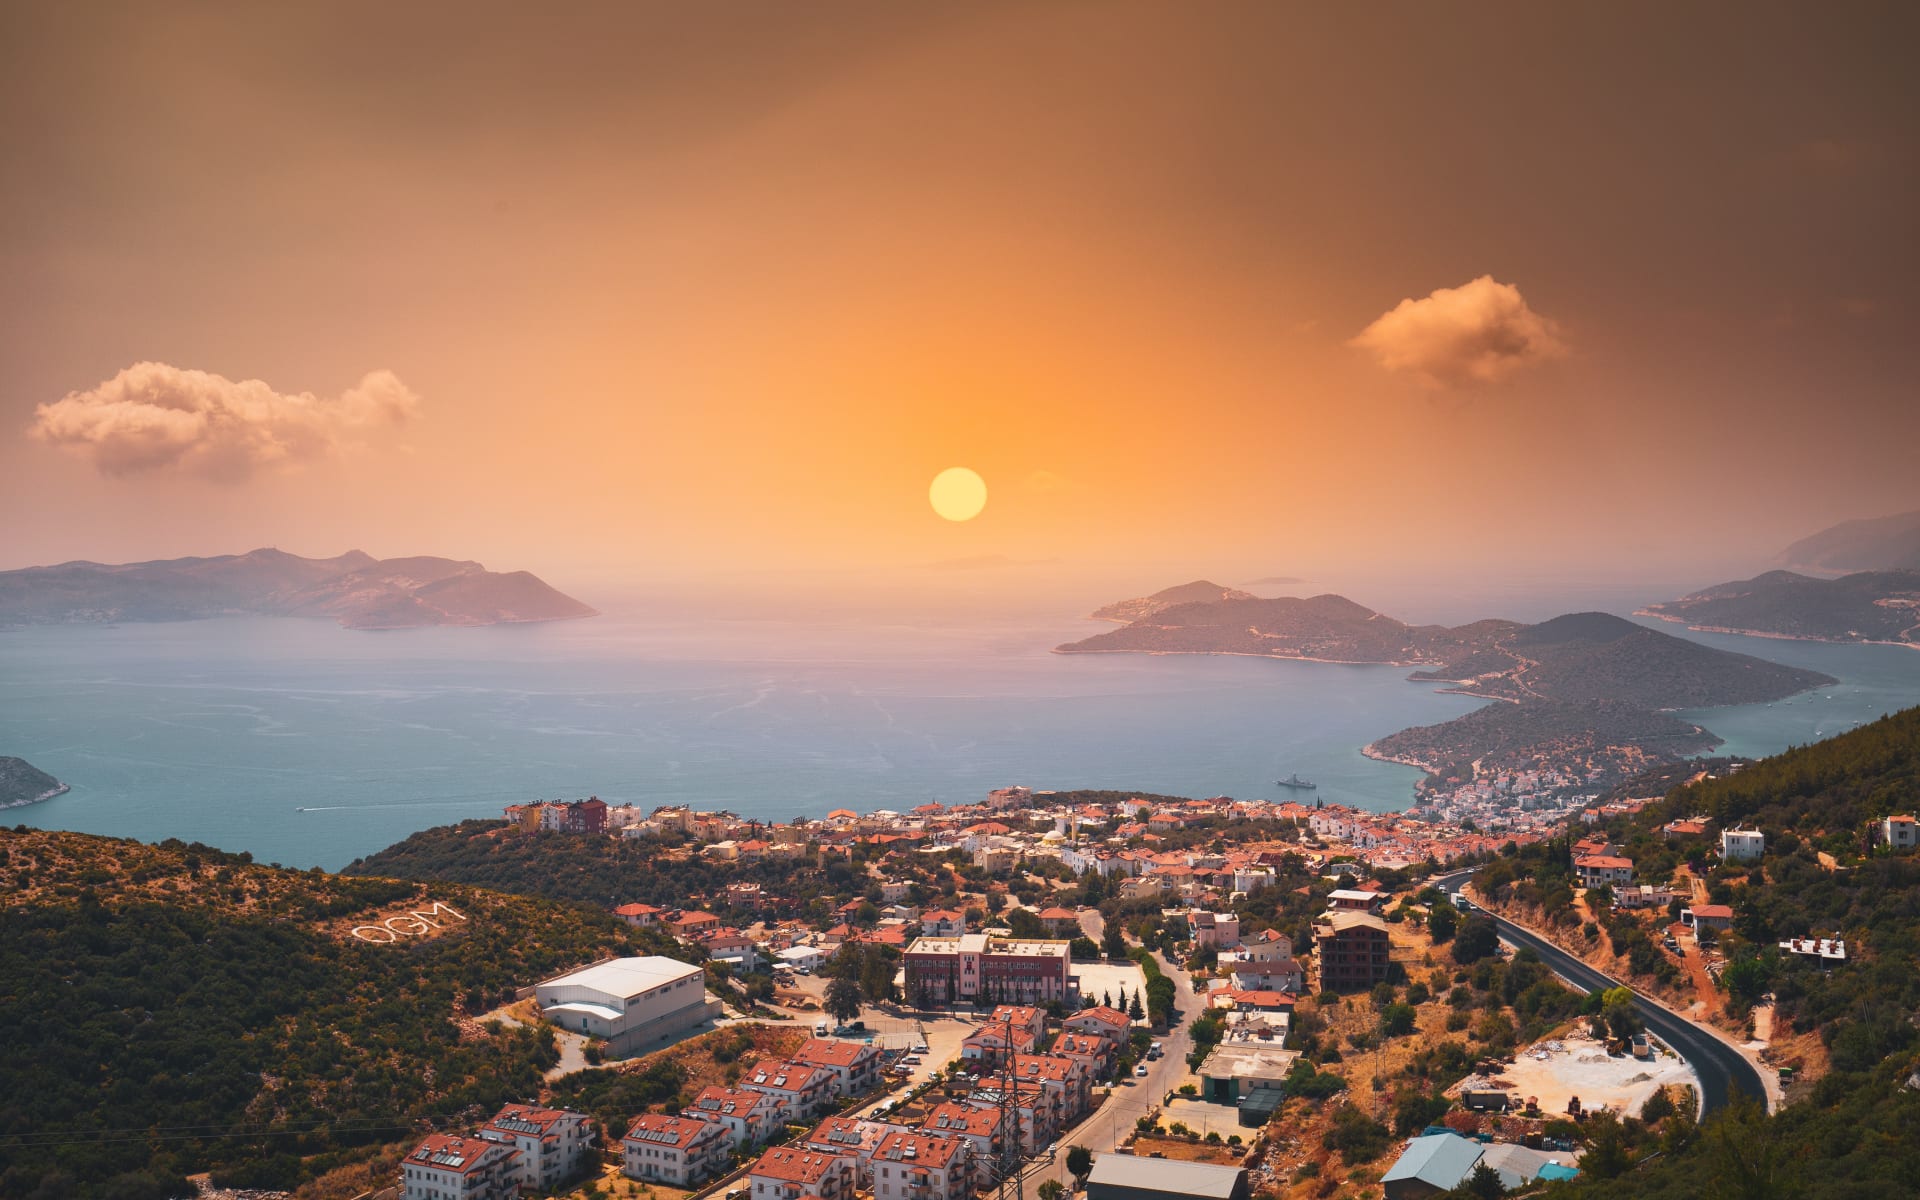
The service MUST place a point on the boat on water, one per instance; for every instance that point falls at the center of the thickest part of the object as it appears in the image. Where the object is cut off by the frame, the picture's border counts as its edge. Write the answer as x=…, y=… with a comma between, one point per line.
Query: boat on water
x=1294, y=781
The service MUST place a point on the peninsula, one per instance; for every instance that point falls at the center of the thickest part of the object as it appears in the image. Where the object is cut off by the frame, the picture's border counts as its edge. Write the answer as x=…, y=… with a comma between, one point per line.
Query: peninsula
x=22, y=783
x=1587, y=695
x=355, y=589
x=1867, y=606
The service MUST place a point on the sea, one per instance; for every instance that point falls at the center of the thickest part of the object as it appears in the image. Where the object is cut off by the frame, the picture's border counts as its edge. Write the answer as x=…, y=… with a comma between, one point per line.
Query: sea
x=308, y=745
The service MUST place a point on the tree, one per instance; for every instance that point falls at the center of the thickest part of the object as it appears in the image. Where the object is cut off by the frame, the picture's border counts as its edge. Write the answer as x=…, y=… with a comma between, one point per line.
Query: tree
x=1113, y=941
x=1050, y=1189
x=1606, y=1154
x=876, y=976
x=1134, y=1010
x=1617, y=1010
x=842, y=1000
x=1484, y=1183
x=1079, y=1161
x=1397, y=1020
x=1477, y=938
x=1441, y=922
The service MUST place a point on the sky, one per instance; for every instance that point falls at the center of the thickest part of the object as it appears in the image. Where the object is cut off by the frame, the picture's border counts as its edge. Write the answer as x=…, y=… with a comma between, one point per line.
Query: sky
x=651, y=292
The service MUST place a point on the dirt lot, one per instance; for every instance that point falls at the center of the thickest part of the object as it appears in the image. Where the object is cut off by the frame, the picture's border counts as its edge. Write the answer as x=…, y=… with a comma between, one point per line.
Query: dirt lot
x=1180, y=1148
x=1560, y=1069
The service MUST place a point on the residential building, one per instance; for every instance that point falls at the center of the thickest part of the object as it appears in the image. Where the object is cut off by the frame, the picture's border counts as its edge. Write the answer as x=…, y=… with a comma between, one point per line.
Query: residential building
x=632, y=1003
x=979, y=1126
x=1015, y=1028
x=1356, y=900
x=851, y=1137
x=1708, y=916
x=855, y=1065
x=1095, y=1051
x=1037, y=1114
x=1594, y=870
x=976, y=967
x=554, y=1143
x=923, y=1166
x=1742, y=845
x=1125, y=1177
x=1240, y=1066
x=679, y=1151
x=1686, y=827
x=940, y=923
x=445, y=1167
x=1218, y=931
x=1068, y=1082
x=1060, y=922
x=1900, y=832
x=802, y=1090
x=1109, y=1024
x=788, y=1173
x=1351, y=948
x=641, y=916
x=1646, y=895
x=747, y=1115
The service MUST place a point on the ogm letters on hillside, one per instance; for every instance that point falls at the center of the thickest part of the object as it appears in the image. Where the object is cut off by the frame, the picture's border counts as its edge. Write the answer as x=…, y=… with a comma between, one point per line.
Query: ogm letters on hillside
x=429, y=921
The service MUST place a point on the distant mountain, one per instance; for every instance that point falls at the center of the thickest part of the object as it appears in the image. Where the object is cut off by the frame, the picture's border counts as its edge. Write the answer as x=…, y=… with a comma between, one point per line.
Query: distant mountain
x=22, y=783
x=1199, y=591
x=1577, y=658
x=355, y=589
x=1867, y=606
x=1877, y=544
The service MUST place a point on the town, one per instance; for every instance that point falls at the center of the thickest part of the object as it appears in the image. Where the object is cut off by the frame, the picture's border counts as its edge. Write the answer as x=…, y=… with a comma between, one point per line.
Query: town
x=1016, y=991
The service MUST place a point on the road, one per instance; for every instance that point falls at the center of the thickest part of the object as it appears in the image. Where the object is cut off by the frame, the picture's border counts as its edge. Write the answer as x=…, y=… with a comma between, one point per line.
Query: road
x=1132, y=1097
x=1721, y=1068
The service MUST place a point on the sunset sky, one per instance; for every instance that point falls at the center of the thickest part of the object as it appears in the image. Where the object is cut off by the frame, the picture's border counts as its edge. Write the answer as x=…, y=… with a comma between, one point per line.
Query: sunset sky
x=1226, y=289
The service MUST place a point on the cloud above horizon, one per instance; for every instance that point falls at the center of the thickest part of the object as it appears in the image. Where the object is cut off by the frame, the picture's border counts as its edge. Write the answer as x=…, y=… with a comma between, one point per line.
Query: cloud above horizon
x=1478, y=332
x=153, y=417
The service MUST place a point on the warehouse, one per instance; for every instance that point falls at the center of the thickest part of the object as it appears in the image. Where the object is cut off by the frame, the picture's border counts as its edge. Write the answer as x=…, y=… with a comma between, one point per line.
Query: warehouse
x=631, y=1003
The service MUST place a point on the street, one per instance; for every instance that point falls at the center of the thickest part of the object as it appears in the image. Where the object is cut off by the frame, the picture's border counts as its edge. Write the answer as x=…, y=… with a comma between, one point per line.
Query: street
x=1721, y=1068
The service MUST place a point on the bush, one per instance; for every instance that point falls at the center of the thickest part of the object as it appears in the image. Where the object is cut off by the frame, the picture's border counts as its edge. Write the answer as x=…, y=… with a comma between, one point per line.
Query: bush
x=1358, y=1137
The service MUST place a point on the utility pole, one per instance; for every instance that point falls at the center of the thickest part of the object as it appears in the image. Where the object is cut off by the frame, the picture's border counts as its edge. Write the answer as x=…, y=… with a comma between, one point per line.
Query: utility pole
x=1011, y=1165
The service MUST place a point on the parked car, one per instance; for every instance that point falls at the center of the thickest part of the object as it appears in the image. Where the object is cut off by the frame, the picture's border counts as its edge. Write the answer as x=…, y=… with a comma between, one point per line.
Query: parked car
x=1141, y=1071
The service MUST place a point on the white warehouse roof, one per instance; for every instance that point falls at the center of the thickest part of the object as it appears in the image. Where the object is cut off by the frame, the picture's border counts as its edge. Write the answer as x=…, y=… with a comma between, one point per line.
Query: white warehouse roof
x=626, y=977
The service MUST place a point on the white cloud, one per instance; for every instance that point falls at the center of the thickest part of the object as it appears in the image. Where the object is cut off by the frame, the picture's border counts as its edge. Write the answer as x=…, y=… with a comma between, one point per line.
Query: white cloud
x=1475, y=333
x=155, y=417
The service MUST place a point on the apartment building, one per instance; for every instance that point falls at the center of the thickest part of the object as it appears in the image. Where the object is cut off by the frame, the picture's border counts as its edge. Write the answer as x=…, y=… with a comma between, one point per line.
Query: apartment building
x=789, y=1172
x=678, y=1151
x=923, y=1166
x=554, y=1143
x=855, y=1065
x=748, y=1116
x=949, y=970
x=802, y=1091
x=445, y=1167
x=1352, y=950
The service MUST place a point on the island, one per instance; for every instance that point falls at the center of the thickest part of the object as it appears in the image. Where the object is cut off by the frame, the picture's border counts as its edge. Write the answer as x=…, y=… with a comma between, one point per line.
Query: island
x=1866, y=606
x=1586, y=697
x=355, y=589
x=1199, y=591
x=1876, y=544
x=22, y=783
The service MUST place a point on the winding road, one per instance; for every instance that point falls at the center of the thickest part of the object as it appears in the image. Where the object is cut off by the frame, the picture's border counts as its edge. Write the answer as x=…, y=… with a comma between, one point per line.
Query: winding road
x=1721, y=1068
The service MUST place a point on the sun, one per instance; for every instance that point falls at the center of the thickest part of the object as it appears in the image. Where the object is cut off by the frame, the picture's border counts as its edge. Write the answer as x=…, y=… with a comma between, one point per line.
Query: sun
x=958, y=494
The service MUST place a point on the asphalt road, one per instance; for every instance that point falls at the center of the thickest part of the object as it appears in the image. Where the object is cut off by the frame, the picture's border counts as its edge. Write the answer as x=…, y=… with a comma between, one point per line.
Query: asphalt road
x=1721, y=1068
x=1133, y=1097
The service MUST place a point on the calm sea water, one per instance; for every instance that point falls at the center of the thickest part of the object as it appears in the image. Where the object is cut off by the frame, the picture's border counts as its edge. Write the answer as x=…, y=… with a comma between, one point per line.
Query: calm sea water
x=310, y=745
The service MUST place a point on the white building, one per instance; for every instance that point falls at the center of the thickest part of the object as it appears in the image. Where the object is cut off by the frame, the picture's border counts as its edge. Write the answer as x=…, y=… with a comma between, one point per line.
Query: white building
x=1900, y=832
x=553, y=1143
x=788, y=1173
x=444, y=1167
x=680, y=1151
x=632, y=1003
x=747, y=1115
x=1742, y=845
x=855, y=1065
x=1597, y=869
x=923, y=1166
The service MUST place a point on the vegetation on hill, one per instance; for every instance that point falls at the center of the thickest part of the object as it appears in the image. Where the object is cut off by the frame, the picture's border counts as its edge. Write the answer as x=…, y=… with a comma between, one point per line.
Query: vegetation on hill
x=1870, y=606
x=1853, y=1133
x=172, y=1009
x=1612, y=737
x=1199, y=590
x=1876, y=544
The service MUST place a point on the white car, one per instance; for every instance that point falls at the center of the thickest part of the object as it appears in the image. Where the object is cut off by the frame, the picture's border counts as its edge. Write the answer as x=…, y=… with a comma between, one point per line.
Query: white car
x=1140, y=1071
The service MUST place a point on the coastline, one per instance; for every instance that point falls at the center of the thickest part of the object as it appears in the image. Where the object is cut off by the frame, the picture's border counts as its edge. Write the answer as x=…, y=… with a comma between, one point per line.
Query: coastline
x=58, y=790
x=1778, y=637
x=1337, y=662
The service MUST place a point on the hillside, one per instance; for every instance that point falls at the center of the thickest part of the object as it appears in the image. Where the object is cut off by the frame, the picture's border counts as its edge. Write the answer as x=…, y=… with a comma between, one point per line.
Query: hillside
x=355, y=589
x=1848, y=1134
x=1867, y=606
x=1325, y=628
x=23, y=783
x=1875, y=544
x=172, y=1009
x=1199, y=591
x=1611, y=737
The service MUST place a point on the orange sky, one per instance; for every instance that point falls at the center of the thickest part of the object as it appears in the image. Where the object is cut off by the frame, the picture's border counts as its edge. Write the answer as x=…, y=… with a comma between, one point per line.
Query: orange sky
x=678, y=292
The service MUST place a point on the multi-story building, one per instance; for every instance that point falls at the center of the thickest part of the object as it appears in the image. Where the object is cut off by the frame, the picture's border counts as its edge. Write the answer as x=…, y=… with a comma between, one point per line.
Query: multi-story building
x=1352, y=950
x=632, y=1003
x=1218, y=931
x=678, y=1151
x=1067, y=1081
x=942, y=923
x=1593, y=870
x=801, y=1090
x=1015, y=1028
x=849, y=1137
x=976, y=967
x=747, y=1115
x=979, y=1126
x=445, y=1167
x=1900, y=832
x=923, y=1166
x=1742, y=845
x=1038, y=1113
x=553, y=1143
x=1108, y=1024
x=788, y=1173
x=855, y=1065
x=1096, y=1052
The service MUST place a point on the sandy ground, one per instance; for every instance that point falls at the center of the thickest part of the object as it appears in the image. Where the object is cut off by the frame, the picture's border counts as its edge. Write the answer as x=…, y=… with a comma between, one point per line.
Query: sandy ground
x=1203, y=1119
x=1582, y=1067
x=1099, y=977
